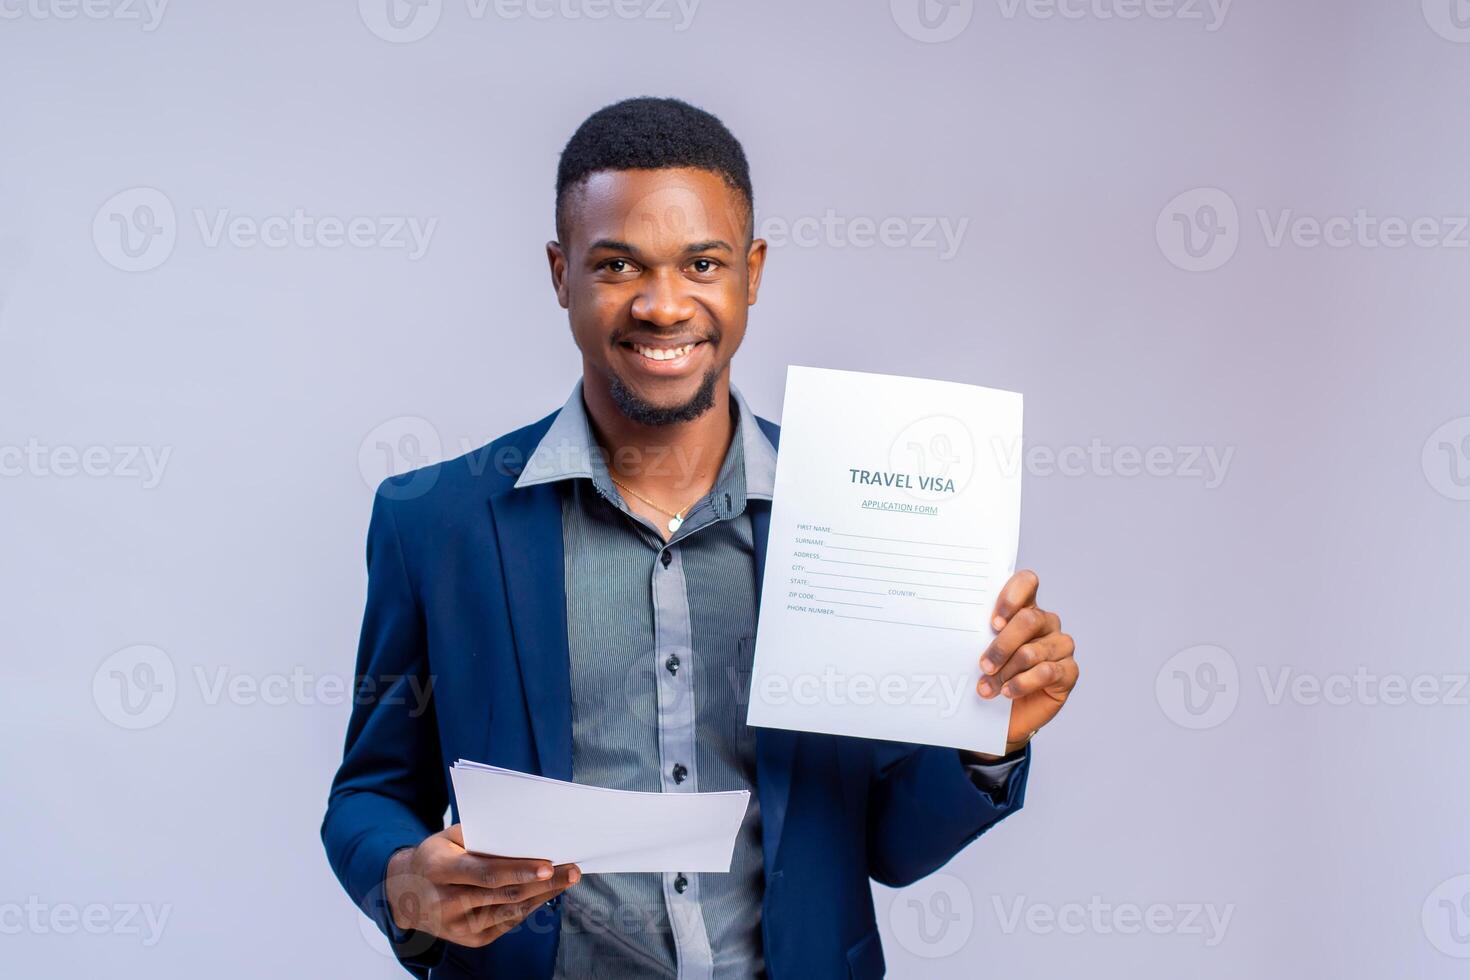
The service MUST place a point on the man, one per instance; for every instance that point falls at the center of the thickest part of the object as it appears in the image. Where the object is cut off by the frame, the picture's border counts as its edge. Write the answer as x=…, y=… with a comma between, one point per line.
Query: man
x=579, y=598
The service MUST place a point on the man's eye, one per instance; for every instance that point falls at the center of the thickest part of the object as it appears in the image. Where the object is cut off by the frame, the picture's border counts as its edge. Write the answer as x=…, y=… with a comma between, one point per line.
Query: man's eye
x=617, y=265
x=705, y=266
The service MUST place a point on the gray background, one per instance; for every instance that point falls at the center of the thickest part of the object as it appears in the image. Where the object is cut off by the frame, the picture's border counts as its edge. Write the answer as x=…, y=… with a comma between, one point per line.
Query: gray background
x=284, y=381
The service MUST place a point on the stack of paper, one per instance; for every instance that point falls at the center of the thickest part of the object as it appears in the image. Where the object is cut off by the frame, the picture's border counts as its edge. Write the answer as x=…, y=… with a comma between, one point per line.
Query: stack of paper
x=515, y=814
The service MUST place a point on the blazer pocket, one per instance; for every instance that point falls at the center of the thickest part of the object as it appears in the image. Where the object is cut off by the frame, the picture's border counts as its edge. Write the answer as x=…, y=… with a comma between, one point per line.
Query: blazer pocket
x=865, y=958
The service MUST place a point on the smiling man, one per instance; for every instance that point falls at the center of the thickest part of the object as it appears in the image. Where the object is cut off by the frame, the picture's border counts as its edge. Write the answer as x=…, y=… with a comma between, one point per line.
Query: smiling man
x=580, y=597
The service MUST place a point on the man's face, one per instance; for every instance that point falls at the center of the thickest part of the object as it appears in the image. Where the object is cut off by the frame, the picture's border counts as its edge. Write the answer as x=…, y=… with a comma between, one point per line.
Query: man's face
x=656, y=275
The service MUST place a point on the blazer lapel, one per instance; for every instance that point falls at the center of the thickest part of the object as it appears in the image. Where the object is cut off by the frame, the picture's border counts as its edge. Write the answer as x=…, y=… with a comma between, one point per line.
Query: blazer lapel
x=528, y=530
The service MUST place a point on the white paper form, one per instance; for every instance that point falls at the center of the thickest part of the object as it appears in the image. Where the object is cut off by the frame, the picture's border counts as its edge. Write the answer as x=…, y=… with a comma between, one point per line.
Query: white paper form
x=517, y=814
x=894, y=525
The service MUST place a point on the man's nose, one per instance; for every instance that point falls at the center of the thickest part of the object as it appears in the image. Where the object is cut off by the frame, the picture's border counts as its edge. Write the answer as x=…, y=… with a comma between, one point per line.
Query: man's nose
x=662, y=301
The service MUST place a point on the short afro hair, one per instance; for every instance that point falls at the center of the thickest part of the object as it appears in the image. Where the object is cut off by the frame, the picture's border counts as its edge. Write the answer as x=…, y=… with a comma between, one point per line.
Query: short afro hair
x=649, y=133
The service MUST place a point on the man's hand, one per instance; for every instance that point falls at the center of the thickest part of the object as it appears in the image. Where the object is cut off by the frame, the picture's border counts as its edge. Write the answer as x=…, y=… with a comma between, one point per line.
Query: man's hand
x=1030, y=660
x=440, y=888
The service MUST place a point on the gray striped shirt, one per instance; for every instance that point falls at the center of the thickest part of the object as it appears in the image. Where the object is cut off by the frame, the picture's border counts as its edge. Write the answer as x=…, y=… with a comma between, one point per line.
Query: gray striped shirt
x=661, y=638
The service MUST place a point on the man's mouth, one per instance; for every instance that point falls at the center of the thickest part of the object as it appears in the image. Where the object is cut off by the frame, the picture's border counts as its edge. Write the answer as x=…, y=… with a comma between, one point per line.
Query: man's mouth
x=664, y=353
x=671, y=358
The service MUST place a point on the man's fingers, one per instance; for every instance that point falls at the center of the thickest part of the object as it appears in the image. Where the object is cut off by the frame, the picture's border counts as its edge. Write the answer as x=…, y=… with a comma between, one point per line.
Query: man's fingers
x=1028, y=624
x=1016, y=595
x=1053, y=676
x=495, y=872
x=1050, y=646
x=566, y=875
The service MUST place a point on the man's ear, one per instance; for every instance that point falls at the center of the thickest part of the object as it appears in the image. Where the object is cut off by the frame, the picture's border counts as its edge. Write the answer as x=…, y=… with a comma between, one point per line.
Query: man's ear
x=755, y=264
x=557, y=259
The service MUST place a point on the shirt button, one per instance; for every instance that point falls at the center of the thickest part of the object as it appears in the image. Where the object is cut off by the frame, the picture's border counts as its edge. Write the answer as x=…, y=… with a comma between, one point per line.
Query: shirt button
x=681, y=883
x=680, y=773
x=666, y=557
x=672, y=663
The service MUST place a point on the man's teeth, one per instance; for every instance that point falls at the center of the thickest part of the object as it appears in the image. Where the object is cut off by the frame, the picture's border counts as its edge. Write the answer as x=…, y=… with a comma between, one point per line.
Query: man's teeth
x=663, y=353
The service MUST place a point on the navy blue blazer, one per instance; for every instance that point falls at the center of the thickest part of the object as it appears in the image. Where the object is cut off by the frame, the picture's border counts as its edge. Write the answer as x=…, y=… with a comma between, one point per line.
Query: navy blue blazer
x=465, y=587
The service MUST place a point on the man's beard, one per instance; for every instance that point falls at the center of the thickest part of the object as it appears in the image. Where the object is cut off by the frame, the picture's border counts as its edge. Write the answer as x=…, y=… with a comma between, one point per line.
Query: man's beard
x=640, y=411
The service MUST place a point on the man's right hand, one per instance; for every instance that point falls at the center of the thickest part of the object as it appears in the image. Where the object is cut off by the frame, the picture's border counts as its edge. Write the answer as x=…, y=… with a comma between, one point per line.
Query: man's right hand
x=469, y=899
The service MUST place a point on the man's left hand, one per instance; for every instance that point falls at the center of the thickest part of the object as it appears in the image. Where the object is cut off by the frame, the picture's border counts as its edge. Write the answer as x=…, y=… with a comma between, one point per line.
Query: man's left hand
x=1030, y=661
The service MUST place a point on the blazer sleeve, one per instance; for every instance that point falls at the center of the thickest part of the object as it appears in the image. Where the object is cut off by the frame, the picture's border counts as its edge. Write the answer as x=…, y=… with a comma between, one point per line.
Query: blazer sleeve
x=924, y=807
x=389, y=792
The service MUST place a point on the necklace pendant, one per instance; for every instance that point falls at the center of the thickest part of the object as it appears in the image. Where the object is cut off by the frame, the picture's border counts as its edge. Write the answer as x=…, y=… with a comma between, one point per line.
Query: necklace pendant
x=675, y=523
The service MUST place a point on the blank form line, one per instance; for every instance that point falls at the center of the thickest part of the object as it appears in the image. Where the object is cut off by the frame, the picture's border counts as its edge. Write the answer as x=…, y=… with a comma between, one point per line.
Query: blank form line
x=891, y=581
x=936, y=544
x=836, y=588
x=895, y=622
x=835, y=602
x=904, y=568
x=905, y=554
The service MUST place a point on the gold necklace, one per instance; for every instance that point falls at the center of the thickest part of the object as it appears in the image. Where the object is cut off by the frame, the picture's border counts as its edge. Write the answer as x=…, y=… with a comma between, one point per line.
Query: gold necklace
x=676, y=518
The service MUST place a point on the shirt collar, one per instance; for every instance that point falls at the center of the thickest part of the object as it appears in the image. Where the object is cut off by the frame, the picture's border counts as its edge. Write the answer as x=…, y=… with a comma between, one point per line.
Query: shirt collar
x=566, y=451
